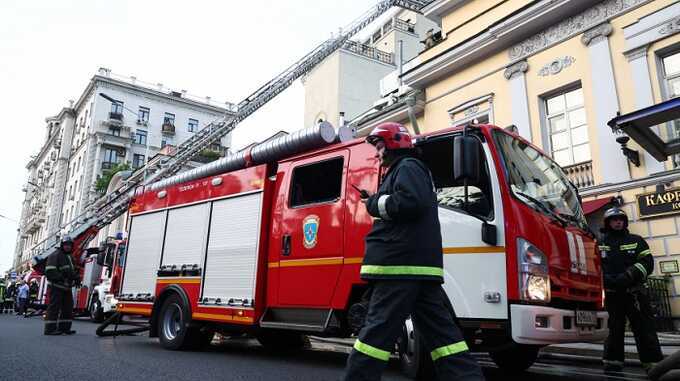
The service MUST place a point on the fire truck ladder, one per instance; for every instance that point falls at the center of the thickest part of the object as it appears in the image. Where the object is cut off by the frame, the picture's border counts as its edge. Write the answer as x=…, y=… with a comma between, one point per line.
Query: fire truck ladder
x=106, y=209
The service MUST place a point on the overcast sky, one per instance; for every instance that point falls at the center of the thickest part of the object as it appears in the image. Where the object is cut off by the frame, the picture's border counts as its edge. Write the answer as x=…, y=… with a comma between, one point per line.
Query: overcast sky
x=49, y=49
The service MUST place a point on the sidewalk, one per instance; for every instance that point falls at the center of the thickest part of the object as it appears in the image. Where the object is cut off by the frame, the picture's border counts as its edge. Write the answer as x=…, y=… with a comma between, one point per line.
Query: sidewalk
x=592, y=352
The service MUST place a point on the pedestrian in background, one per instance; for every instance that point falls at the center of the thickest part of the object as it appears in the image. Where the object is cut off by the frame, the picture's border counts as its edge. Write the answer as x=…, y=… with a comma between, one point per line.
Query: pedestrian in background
x=22, y=297
x=626, y=263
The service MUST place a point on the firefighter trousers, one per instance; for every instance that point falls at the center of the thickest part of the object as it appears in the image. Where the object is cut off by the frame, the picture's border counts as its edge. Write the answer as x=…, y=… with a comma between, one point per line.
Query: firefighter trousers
x=636, y=307
x=59, y=311
x=391, y=302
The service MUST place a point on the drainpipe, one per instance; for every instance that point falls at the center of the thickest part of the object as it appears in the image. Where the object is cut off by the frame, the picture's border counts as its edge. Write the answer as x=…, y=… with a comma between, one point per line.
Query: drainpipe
x=410, y=104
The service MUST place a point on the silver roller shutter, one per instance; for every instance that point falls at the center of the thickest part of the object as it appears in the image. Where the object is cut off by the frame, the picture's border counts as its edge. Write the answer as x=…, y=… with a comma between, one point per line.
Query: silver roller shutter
x=186, y=235
x=231, y=264
x=144, y=251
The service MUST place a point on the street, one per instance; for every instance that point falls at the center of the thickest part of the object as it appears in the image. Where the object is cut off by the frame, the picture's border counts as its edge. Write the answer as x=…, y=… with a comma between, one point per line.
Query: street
x=88, y=357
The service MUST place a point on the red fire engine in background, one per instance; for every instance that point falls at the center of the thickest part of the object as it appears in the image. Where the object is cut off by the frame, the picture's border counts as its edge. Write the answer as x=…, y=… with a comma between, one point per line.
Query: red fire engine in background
x=273, y=247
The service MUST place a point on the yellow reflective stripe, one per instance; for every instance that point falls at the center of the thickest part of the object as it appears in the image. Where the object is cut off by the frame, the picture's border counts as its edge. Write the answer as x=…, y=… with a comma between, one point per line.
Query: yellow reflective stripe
x=371, y=351
x=449, y=350
x=644, y=253
x=604, y=247
x=402, y=270
x=642, y=269
x=50, y=268
x=629, y=246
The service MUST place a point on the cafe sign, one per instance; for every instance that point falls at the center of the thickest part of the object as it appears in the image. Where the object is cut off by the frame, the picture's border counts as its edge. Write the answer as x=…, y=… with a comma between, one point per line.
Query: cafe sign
x=659, y=203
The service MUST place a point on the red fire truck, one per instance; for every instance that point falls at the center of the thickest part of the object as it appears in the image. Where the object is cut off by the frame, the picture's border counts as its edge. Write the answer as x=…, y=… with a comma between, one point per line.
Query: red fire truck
x=274, y=248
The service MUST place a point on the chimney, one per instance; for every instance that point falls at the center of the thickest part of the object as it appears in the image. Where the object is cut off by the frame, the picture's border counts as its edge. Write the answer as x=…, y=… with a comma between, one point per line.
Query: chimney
x=133, y=79
x=106, y=72
x=207, y=99
x=160, y=86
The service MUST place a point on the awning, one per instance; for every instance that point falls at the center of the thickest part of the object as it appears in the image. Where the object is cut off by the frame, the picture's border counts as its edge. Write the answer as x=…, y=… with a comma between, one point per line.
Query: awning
x=638, y=125
x=594, y=205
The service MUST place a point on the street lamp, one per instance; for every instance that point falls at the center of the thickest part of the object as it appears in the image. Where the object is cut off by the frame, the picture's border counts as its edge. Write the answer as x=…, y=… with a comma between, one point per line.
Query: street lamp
x=148, y=131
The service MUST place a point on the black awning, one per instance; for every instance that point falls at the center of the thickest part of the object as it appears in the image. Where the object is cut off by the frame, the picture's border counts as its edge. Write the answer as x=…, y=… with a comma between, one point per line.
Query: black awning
x=638, y=125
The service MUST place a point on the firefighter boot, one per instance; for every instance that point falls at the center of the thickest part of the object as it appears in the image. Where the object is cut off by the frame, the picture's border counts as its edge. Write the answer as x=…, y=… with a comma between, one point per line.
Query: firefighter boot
x=51, y=328
x=65, y=327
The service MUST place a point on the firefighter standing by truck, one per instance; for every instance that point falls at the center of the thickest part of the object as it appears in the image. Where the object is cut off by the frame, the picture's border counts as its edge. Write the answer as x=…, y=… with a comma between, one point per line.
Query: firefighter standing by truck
x=626, y=263
x=62, y=275
x=404, y=267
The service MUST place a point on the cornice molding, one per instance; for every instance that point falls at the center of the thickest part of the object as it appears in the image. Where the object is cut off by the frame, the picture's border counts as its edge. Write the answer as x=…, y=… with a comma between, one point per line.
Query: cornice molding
x=597, y=34
x=572, y=26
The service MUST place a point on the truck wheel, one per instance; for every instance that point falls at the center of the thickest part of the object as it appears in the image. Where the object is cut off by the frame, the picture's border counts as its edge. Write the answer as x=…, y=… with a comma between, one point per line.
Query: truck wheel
x=174, y=331
x=517, y=358
x=279, y=340
x=415, y=361
x=96, y=310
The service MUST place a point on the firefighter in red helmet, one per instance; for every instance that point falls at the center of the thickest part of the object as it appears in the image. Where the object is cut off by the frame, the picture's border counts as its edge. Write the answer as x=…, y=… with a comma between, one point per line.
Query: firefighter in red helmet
x=403, y=265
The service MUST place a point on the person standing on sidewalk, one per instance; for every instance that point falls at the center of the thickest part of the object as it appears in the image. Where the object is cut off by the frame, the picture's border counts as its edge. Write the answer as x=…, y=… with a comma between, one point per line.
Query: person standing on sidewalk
x=404, y=267
x=22, y=297
x=626, y=263
x=62, y=275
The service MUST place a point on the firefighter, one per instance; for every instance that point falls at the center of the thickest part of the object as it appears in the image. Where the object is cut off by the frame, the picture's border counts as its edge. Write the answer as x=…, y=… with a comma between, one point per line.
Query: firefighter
x=2, y=296
x=403, y=265
x=626, y=262
x=61, y=274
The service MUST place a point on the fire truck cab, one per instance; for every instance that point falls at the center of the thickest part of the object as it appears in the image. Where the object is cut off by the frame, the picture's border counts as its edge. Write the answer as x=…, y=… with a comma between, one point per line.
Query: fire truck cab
x=275, y=250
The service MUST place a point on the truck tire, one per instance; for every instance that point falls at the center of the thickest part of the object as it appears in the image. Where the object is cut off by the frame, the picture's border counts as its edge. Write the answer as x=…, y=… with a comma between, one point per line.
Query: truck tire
x=413, y=357
x=96, y=311
x=174, y=330
x=516, y=358
x=280, y=340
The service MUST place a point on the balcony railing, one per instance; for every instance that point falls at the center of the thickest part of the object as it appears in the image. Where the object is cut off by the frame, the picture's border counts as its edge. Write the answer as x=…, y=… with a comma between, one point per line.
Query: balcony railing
x=116, y=116
x=370, y=52
x=580, y=174
x=168, y=128
x=108, y=164
x=404, y=26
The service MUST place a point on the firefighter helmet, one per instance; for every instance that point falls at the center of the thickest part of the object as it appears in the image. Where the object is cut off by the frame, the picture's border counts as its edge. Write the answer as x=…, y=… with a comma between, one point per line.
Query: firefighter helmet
x=66, y=240
x=395, y=136
x=615, y=212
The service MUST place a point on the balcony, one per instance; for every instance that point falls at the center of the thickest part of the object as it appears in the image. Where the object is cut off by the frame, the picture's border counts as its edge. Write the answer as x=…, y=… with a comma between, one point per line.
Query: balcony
x=35, y=221
x=106, y=165
x=210, y=154
x=168, y=129
x=369, y=52
x=404, y=26
x=580, y=174
x=116, y=116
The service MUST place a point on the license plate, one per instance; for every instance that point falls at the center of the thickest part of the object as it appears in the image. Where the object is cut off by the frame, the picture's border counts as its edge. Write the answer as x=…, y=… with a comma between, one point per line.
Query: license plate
x=586, y=318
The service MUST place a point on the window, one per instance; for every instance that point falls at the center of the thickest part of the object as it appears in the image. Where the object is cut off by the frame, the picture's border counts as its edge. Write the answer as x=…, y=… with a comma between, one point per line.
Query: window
x=79, y=162
x=110, y=158
x=567, y=127
x=169, y=118
x=316, y=183
x=70, y=192
x=143, y=114
x=114, y=131
x=137, y=161
x=671, y=69
x=75, y=189
x=193, y=125
x=450, y=193
x=117, y=107
x=140, y=137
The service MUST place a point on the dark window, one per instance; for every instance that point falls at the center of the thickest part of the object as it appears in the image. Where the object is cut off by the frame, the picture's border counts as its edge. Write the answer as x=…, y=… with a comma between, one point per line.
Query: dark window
x=193, y=125
x=140, y=137
x=169, y=118
x=316, y=183
x=163, y=143
x=143, y=114
x=438, y=156
x=117, y=107
x=137, y=160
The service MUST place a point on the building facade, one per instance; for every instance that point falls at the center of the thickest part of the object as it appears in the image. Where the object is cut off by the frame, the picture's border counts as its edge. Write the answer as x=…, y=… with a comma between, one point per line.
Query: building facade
x=560, y=70
x=116, y=120
x=349, y=80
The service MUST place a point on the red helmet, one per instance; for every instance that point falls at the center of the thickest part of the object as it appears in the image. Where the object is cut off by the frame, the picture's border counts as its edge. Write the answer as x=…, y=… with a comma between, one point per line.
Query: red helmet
x=395, y=136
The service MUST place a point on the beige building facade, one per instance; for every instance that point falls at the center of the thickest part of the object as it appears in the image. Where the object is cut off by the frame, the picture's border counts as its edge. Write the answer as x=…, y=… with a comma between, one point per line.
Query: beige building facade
x=559, y=70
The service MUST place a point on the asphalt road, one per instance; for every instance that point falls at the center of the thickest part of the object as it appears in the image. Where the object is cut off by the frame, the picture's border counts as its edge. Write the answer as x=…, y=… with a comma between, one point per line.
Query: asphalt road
x=28, y=355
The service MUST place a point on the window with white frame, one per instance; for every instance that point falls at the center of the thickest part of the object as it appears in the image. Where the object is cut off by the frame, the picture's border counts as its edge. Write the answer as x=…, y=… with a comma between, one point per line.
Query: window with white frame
x=567, y=127
x=143, y=115
x=140, y=137
x=671, y=71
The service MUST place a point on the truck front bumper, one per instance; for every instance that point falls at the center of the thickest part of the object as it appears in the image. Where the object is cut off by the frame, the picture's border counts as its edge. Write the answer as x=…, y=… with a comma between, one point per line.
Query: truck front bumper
x=109, y=303
x=556, y=326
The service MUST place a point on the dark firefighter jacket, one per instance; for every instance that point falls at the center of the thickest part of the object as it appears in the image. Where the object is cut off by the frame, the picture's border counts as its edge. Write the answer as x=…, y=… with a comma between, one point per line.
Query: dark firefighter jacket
x=405, y=241
x=626, y=260
x=60, y=270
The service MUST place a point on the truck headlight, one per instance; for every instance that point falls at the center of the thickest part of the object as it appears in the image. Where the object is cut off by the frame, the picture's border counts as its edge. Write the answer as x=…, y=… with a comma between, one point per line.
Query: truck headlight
x=534, y=279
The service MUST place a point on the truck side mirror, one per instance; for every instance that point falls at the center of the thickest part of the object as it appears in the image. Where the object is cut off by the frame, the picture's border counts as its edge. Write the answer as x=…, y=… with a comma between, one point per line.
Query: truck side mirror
x=466, y=159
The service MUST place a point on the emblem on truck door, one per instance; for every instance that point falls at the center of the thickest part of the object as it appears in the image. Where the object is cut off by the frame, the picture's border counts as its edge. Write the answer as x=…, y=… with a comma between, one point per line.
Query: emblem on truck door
x=310, y=229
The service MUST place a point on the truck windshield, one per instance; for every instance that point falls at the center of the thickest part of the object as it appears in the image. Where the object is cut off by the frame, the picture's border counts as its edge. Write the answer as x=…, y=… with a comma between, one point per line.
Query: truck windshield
x=538, y=181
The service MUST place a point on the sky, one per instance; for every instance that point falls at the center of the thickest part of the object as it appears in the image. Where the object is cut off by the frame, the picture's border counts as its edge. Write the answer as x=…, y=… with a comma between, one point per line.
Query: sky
x=49, y=50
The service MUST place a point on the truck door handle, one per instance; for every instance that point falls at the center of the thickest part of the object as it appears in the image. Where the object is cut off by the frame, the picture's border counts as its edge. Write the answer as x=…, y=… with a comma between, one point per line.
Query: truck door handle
x=285, y=250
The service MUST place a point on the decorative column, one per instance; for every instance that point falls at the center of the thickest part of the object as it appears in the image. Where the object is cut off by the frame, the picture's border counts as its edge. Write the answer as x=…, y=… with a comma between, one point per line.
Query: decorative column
x=606, y=102
x=637, y=59
x=515, y=74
